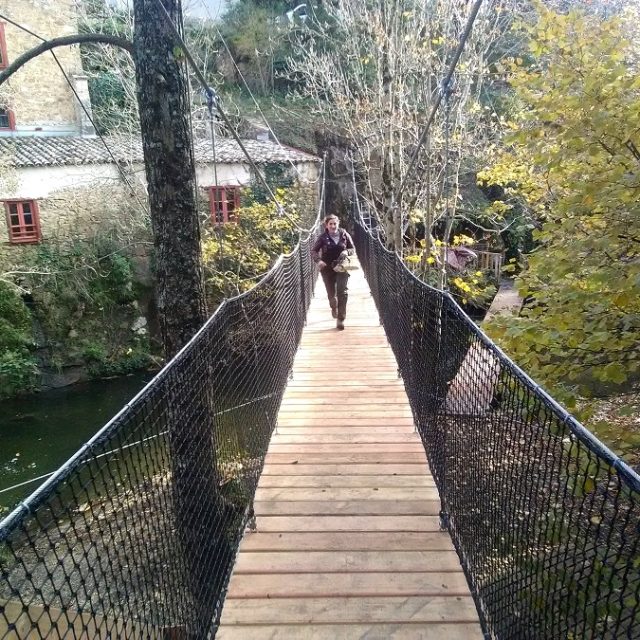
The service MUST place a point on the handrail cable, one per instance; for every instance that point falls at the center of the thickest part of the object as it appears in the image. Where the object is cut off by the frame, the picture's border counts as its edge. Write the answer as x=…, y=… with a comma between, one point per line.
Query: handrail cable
x=209, y=90
x=449, y=203
x=196, y=190
x=593, y=443
x=31, y=502
x=144, y=208
x=440, y=95
x=132, y=444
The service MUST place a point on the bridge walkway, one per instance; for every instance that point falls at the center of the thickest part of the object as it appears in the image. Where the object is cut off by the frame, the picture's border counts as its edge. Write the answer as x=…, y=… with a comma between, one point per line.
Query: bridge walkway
x=347, y=543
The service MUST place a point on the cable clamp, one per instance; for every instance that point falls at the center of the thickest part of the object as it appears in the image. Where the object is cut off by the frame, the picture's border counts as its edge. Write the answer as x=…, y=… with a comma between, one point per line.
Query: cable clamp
x=213, y=100
x=446, y=89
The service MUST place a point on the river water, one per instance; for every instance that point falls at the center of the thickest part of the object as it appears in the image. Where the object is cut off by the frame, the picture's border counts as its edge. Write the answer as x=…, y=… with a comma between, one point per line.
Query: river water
x=40, y=432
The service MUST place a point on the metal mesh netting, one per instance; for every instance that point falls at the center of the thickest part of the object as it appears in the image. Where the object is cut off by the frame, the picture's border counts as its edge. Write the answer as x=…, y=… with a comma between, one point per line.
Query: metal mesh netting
x=136, y=535
x=546, y=519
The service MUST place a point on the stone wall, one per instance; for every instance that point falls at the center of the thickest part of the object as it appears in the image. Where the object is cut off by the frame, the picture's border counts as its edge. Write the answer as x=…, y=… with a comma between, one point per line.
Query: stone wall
x=82, y=213
x=339, y=180
x=80, y=202
x=306, y=198
x=39, y=95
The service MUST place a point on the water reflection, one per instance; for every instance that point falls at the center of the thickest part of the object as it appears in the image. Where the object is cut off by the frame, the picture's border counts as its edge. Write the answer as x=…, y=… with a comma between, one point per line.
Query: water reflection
x=39, y=433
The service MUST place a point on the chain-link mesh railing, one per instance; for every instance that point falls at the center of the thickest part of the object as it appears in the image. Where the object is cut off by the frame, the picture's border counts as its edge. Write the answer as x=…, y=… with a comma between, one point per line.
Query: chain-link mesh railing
x=136, y=535
x=545, y=518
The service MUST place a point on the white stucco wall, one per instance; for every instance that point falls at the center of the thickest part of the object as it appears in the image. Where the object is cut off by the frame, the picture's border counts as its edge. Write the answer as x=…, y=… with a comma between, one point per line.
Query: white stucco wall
x=34, y=183
x=86, y=200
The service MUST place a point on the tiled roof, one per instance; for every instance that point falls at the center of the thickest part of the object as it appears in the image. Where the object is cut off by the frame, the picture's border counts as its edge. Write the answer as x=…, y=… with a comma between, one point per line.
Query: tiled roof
x=45, y=151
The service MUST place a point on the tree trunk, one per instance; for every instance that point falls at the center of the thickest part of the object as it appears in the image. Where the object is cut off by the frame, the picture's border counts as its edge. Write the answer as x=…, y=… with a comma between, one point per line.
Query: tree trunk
x=170, y=170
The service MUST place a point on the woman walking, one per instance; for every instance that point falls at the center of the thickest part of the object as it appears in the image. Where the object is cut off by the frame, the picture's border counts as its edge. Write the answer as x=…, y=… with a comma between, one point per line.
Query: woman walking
x=328, y=252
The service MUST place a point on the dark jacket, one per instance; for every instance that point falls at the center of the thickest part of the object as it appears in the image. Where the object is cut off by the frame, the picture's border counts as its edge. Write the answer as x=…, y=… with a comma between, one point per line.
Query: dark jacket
x=327, y=250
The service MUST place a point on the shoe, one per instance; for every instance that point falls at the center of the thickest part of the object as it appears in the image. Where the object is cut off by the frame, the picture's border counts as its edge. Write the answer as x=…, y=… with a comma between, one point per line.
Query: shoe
x=340, y=325
x=334, y=313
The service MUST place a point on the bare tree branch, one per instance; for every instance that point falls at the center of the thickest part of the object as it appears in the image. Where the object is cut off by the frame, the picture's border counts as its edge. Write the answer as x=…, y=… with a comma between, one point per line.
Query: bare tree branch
x=48, y=45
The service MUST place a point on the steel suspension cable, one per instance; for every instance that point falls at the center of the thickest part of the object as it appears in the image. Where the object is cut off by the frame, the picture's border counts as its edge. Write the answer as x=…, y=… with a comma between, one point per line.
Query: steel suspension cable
x=246, y=85
x=439, y=97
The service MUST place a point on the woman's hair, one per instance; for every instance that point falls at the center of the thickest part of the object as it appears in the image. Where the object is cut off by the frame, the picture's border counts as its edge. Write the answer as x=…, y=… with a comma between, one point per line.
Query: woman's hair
x=331, y=216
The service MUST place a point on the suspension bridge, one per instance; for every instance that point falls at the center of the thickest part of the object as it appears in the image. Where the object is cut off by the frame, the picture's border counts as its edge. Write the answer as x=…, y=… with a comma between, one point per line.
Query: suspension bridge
x=277, y=480
x=347, y=543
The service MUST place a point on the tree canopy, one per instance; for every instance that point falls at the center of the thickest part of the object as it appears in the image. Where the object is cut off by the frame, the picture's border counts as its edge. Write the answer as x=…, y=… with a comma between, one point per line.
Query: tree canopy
x=574, y=163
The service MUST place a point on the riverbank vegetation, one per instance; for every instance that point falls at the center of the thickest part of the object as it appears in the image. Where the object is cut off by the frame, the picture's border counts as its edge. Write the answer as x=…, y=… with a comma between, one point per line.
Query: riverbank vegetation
x=72, y=310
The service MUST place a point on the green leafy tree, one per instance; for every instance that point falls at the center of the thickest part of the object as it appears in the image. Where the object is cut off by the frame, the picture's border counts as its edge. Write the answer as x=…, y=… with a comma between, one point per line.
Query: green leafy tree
x=18, y=369
x=256, y=33
x=236, y=254
x=575, y=163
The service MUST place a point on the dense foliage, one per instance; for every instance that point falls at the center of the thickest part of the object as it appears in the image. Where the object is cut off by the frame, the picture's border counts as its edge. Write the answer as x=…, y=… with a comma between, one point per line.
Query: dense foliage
x=82, y=312
x=85, y=300
x=560, y=192
x=574, y=162
x=17, y=365
x=235, y=255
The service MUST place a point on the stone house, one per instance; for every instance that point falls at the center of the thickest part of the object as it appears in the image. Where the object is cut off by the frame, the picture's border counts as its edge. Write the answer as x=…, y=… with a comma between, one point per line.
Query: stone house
x=58, y=179
x=73, y=186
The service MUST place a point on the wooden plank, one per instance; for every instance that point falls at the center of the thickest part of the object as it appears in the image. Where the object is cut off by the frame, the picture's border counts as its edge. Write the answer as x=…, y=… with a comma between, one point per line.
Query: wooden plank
x=337, y=561
x=348, y=543
x=353, y=469
x=317, y=414
x=389, y=410
x=325, y=481
x=377, y=358
x=361, y=378
x=347, y=384
x=337, y=494
x=306, y=631
x=321, y=348
x=310, y=398
x=347, y=540
x=268, y=524
x=343, y=422
x=355, y=431
x=346, y=428
x=341, y=438
x=326, y=585
x=345, y=367
x=348, y=507
x=372, y=448
x=392, y=610
x=345, y=458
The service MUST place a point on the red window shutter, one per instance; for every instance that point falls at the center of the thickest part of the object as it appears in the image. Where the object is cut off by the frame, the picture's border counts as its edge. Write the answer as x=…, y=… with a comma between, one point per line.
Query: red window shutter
x=23, y=221
x=233, y=203
x=224, y=202
x=7, y=121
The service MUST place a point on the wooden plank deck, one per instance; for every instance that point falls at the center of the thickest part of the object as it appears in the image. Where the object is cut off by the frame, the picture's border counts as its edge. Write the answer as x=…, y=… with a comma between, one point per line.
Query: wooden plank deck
x=347, y=543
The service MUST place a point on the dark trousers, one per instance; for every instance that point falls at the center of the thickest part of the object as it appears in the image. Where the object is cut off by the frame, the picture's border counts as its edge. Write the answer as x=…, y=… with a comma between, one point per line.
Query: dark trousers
x=337, y=291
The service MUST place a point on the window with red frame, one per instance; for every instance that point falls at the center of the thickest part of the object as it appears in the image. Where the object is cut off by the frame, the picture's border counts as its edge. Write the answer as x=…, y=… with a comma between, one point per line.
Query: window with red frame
x=23, y=221
x=224, y=202
x=4, y=61
x=6, y=120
